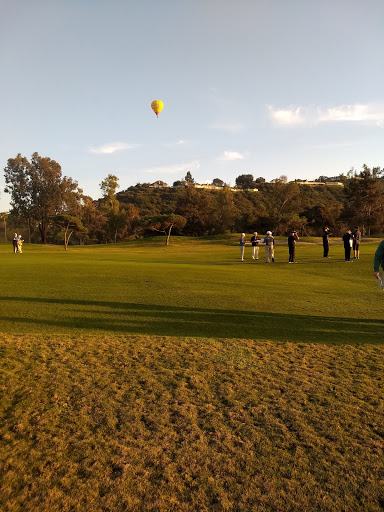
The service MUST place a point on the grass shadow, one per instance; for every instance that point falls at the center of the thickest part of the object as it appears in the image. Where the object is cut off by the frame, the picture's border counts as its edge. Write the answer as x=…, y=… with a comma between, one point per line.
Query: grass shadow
x=90, y=316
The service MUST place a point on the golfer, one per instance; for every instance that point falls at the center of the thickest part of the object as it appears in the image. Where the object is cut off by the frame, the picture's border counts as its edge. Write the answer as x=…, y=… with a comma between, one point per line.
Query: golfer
x=356, y=243
x=255, y=246
x=15, y=243
x=269, y=247
x=242, y=242
x=326, y=233
x=347, y=240
x=292, y=239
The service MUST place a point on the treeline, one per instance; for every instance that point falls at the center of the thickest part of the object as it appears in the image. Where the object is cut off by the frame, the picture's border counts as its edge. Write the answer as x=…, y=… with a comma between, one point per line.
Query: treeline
x=48, y=207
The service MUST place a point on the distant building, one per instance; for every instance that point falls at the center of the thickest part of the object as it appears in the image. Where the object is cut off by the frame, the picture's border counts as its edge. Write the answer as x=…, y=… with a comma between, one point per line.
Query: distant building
x=315, y=183
x=208, y=186
x=159, y=184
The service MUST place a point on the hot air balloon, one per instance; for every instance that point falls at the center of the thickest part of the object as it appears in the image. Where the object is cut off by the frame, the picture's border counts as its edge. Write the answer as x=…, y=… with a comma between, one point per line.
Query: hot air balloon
x=157, y=106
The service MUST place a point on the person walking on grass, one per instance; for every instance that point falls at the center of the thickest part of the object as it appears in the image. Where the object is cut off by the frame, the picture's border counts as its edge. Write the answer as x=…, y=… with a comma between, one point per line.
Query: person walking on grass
x=255, y=246
x=269, y=247
x=356, y=243
x=326, y=234
x=15, y=243
x=292, y=239
x=242, y=242
x=348, y=240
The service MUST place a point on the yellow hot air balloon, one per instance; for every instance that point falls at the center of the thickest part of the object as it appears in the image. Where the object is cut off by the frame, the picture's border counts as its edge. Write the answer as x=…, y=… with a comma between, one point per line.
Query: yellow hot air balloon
x=157, y=106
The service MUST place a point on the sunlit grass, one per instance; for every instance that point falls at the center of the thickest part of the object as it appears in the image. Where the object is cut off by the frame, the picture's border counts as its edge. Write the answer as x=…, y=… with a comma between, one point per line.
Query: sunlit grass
x=140, y=377
x=158, y=423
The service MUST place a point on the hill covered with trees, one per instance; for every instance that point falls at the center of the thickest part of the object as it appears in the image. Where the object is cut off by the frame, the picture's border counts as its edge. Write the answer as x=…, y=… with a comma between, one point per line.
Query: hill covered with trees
x=49, y=207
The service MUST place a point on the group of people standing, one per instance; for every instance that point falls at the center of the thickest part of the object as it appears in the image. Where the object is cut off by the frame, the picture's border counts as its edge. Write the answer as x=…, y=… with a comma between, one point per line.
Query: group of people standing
x=351, y=240
x=269, y=243
x=17, y=244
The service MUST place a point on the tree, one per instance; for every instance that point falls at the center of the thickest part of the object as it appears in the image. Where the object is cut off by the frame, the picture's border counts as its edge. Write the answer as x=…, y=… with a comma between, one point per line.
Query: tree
x=260, y=180
x=223, y=210
x=38, y=190
x=4, y=216
x=111, y=206
x=68, y=224
x=245, y=181
x=217, y=182
x=364, y=199
x=196, y=206
x=108, y=188
x=93, y=219
x=284, y=204
x=188, y=178
x=164, y=224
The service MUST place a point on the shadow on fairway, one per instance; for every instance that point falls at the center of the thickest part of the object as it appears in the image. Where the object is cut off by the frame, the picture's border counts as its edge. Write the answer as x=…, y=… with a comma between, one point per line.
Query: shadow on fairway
x=88, y=316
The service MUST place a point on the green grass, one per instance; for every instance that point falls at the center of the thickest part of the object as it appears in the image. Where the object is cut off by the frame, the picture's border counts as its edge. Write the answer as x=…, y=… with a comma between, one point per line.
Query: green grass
x=191, y=289
x=138, y=377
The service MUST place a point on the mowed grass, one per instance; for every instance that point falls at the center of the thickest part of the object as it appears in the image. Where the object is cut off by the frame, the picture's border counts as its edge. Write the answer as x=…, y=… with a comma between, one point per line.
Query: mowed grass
x=191, y=289
x=141, y=377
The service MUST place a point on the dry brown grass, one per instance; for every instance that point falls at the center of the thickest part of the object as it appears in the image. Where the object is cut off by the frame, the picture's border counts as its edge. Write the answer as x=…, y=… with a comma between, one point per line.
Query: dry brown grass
x=167, y=424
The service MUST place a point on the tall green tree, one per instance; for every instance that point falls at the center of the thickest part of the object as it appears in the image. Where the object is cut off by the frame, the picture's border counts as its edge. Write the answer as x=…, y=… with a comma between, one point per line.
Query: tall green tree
x=38, y=190
x=4, y=216
x=364, y=199
x=109, y=188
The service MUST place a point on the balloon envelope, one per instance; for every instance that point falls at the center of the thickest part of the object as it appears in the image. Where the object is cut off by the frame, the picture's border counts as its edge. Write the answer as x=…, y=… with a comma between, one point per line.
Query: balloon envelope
x=157, y=106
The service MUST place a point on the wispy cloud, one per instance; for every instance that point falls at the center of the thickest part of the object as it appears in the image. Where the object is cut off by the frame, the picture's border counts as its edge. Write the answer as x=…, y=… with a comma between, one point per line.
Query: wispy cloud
x=355, y=113
x=112, y=147
x=174, y=168
x=231, y=155
x=177, y=143
x=368, y=113
x=230, y=127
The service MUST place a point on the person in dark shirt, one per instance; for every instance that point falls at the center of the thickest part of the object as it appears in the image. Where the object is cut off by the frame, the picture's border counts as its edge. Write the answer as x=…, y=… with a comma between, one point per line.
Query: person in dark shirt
x=356, y=243
x=255, y=246
x=347, y=239
x=379, y=262
x=326, y=234
x=292, y=239
x=15, y=243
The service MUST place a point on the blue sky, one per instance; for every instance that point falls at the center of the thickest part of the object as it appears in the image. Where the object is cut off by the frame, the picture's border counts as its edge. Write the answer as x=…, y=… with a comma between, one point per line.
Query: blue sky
x=266, y=87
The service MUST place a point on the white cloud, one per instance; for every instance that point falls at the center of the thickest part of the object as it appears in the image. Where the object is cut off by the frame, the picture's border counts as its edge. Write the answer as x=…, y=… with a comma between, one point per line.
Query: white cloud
x=230, y=127
x=174, y=168
x=112, y=147
x=369, y=113
x=358, y=112
x=287, y=117
x=231, y=155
